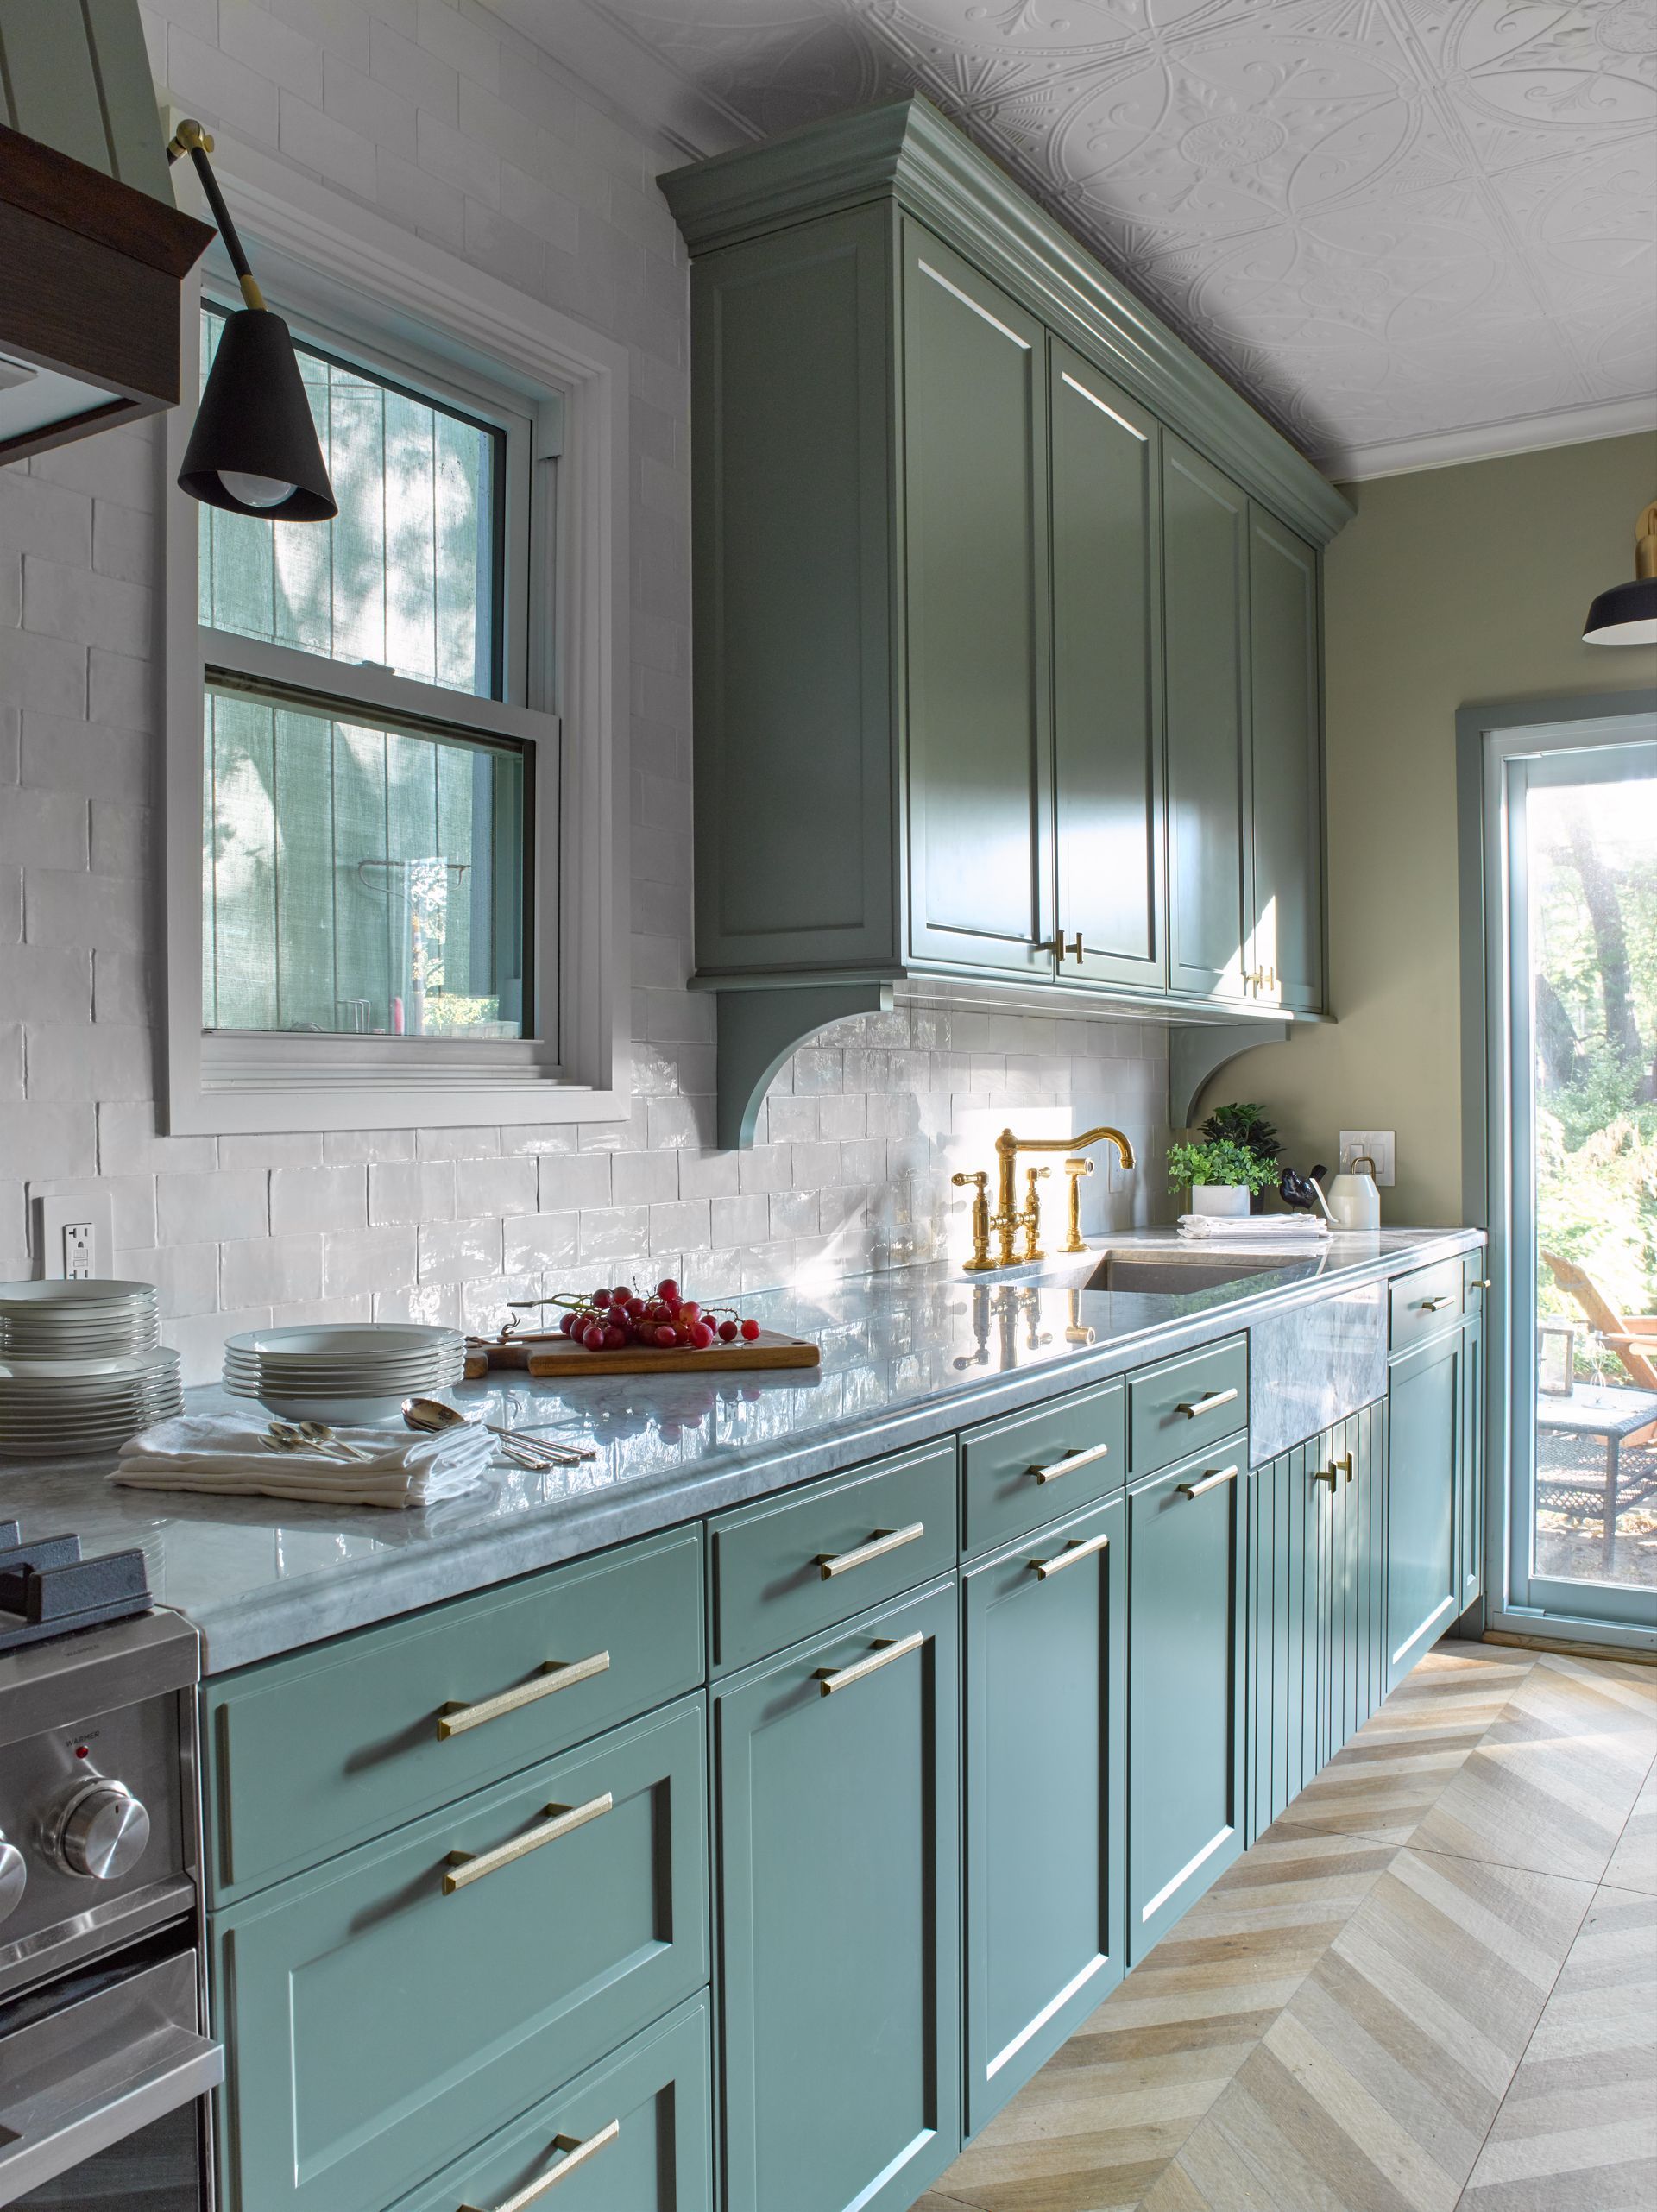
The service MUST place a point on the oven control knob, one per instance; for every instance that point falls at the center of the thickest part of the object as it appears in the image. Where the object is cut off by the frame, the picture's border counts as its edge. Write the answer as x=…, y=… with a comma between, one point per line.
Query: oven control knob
x=14, y=1877
x=101, y=1832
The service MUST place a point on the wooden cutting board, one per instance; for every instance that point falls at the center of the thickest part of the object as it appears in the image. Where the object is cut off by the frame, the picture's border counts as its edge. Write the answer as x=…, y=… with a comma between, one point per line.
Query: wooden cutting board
x=554, y=1359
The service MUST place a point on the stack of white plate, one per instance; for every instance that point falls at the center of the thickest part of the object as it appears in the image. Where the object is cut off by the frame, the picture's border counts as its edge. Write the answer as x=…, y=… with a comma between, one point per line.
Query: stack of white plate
x=342, y=1372
x=53, y=1408
x=83, y=1319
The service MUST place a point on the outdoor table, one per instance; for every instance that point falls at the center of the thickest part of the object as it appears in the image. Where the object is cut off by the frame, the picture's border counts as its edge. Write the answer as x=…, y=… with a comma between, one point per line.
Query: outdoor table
x=1614, y=1414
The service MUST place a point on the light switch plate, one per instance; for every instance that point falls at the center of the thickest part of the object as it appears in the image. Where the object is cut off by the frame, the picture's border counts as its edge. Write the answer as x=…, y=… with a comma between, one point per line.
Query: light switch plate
x=74, y=1232
x=1381, y=1145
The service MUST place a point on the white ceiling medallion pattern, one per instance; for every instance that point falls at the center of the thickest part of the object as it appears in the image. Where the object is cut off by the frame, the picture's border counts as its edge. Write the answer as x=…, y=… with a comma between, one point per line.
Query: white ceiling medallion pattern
x=1391, y=222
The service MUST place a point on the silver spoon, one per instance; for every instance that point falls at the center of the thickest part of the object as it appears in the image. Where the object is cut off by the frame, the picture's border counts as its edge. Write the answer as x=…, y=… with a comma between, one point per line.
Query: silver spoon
x=432, y=1414
x=292, y=1436
x=319, y=1432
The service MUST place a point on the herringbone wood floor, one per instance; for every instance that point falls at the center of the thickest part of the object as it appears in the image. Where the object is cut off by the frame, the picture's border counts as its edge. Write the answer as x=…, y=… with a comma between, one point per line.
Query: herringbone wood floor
x=1430, y=1987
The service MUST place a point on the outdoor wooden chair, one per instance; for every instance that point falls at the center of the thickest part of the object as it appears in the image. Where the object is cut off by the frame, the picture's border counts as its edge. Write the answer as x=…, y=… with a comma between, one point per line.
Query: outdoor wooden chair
x=1632, y=1336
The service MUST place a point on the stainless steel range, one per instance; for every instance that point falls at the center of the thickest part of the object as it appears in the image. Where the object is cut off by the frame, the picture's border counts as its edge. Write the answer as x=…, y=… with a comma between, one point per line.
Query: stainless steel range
x=104, y=2064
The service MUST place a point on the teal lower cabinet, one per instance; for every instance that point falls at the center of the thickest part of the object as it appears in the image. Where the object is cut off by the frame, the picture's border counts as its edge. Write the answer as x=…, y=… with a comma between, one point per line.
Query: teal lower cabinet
x=838, y=1901
x=1426, y=1424
x=1186, y=1644
x=1314, y=1668
x=399, y=2004
x=1469, y=1471
x=1043, y=1665
x=632, y=2134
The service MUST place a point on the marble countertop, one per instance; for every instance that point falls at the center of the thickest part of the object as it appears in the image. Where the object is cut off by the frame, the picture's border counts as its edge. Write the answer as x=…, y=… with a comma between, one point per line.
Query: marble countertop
x=906, y=1354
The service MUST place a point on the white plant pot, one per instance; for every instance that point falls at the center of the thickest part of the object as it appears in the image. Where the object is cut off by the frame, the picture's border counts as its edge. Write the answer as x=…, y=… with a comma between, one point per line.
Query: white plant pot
x=1228, y=1199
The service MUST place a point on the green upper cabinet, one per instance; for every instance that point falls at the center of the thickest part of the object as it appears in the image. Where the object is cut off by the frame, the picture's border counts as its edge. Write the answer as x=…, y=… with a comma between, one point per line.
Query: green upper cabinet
x=791, y=394
x=1204, y=583
x=1006, y=611
x=1286, y=758
x=976, y=605
x=1111, y=843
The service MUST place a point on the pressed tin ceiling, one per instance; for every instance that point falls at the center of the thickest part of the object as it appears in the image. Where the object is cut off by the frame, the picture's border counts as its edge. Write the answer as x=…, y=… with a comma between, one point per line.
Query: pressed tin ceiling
x=1408, y=228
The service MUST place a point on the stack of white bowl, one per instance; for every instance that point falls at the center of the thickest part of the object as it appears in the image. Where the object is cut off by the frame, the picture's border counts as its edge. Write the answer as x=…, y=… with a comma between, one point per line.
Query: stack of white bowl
x=342, y=1372
x=80, y=1367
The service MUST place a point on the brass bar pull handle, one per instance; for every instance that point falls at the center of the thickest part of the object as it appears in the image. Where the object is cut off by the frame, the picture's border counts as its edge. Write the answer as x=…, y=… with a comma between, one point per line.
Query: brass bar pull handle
x=1070, y=1554
x=830, y=1679
x=1208, y=1482
x=576, y=2150
x=830, y=1564
x=1211, y=1404
x=1326, y=1475
x=1345, y=1463
x=1054, y=1468
x=1435, y=1305
x=555, y=1675
x=468, y=1867
x=1483, y=1283
x=1067, y=948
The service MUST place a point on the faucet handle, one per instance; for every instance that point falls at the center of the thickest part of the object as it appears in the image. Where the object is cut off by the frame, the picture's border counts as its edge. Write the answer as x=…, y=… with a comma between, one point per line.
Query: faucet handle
x=972, y=1175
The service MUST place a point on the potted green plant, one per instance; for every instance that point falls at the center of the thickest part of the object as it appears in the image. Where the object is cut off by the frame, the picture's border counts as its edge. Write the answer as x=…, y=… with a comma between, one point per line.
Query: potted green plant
x=1222, y=1175
x=1244, y=1123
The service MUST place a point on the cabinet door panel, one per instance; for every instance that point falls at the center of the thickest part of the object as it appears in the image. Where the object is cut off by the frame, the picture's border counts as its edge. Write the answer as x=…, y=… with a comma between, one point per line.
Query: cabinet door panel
x=1185, y=1681
x=1205, y=569
x=379, y=2023
x=838, y=1858
x=1043, y=1663
x=1469, y=1471
x=1287, y=795
x=1425, y=1424
x=1106, y=665
x=978, y=689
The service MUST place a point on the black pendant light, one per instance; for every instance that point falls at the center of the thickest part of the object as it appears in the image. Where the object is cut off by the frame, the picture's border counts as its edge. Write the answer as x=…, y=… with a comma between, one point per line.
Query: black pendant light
x=1627, y=614
x=253, y=448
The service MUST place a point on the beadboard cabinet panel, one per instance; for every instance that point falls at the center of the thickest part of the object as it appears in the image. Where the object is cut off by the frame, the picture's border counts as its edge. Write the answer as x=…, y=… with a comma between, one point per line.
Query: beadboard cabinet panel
x=1286, y=756
x=1043, y=1662
x=1110, y=851
x=975, y=578
x=1205, y=585
x=792, y=392
x=1426, y=1417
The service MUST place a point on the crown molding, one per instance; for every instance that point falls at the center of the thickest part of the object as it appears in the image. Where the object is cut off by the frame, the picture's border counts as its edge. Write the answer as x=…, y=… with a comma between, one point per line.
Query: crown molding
x=1492, y=441
x=905, y=151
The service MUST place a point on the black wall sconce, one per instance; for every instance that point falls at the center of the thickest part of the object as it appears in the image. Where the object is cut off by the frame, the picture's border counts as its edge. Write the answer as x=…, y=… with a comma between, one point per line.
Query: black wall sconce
x=253, y=448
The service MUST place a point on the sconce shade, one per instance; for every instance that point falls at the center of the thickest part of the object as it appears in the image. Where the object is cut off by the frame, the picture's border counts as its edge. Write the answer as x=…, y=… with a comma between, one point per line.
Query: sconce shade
x=1627, y=614
x=253, y=448
x=1624, y=615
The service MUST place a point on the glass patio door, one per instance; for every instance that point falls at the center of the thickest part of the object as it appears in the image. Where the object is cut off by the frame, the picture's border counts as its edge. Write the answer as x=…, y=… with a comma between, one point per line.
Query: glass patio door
x=1575, y=900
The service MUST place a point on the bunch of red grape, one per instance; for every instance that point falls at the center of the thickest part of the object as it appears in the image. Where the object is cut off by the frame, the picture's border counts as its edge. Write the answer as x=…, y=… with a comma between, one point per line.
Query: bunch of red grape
x=610, y=1320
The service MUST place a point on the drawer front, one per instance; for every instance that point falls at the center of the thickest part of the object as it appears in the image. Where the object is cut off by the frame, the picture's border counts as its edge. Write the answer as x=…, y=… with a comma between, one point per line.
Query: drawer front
x=783, y=1570
x=311, y=1754
x=380, y=2019
x=1426, y=1303
x=1019, y=1474
x=633, y=2134
x=1182, y=1406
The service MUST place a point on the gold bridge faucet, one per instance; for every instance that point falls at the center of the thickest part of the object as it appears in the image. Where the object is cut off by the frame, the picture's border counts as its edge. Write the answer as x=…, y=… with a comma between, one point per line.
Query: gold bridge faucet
x=1007, y=1220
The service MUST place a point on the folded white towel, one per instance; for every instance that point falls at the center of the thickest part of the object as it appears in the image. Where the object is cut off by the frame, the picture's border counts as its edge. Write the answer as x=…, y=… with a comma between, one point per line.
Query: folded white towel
x=1252, y=1228
x=217, y=1453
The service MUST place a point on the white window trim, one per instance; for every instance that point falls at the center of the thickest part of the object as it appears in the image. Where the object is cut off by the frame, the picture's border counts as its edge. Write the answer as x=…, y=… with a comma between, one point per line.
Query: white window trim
x=394, y=279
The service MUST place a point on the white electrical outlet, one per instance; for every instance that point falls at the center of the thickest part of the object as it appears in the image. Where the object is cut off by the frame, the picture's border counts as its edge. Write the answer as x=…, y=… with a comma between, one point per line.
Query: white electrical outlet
x=1381, y=1145
x=74, y=1232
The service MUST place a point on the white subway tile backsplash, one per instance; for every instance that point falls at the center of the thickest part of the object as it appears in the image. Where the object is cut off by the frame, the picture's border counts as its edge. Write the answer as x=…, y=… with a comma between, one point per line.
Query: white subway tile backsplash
x=500, y=1187
x=334, y=1198
x=420, y=1190
x=223, y=1205
x=272, y=1270
x=459, y=1252
x=358, y=1262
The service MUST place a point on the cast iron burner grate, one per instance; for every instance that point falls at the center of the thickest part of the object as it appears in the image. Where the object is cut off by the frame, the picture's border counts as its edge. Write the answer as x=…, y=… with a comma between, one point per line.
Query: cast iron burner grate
x=46, y=1589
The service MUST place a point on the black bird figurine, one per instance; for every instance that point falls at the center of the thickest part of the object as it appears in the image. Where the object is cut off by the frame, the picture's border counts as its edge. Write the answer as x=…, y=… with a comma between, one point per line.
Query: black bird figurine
x=1297, y=1189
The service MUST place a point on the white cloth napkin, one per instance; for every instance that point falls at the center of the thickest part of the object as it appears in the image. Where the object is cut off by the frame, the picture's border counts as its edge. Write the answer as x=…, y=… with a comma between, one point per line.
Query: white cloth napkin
x=1266, y=1229
x=217, y=1452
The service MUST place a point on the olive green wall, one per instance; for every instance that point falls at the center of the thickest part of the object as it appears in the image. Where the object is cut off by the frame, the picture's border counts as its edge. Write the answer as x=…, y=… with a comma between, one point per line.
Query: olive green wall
x=1452, y=586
